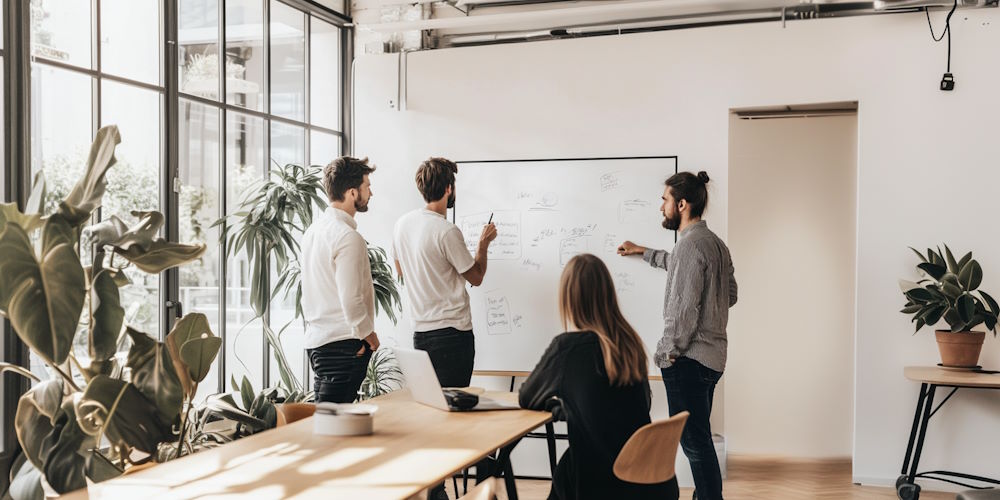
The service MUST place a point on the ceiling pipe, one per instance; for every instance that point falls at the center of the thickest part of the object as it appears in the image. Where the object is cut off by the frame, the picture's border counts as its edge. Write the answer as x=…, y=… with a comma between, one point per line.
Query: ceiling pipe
x=576, y=16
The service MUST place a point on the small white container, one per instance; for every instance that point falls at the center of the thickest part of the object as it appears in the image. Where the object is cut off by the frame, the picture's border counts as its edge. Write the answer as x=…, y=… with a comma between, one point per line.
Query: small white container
x=333, y=419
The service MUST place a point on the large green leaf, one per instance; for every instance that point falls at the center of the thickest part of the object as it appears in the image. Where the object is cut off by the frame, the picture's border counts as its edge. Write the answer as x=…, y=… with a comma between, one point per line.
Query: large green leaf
x=36, y=200
x=57, y=232
x=42, y=300
x=104, y=232
x=37, y=409
x=199, y=354
x=971, y=275
x=932, y=270
x=966, y=308
x=64, y=464
x=18, y=263
x=107, y=316
x=10, y=213
x=919, y=255
x=952, y=263
x=154, y=374
x=919, y=295
x=25, y=480
x=190, y=327
x=143, y=233
x=125, y=414
x=88, y=192
x=162, y=255
x=991, y=302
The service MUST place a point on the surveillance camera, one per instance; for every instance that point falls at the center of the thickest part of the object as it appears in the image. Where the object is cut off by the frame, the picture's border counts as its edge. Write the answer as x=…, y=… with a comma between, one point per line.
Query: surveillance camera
x=948, y=82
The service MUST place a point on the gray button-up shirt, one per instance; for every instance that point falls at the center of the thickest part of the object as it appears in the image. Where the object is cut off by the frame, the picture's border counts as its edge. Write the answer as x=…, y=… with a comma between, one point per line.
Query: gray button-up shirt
x=701, y=287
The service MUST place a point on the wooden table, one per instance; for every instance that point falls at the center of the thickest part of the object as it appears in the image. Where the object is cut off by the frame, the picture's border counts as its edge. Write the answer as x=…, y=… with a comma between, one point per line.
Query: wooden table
x=930, y=378
x=414, y=448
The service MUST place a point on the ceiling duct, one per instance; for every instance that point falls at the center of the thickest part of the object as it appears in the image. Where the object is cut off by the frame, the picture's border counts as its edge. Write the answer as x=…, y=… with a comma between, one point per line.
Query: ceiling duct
x=882, y=5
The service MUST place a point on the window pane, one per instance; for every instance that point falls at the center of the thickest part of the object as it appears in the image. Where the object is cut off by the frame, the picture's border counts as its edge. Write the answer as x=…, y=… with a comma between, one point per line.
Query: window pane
x=131, y=44
x=245, y=163
x=60, y=30
x=199, y=143
x=245, y=53
x=323, y=148
x=198, y=51
x=288, y=146
x=324, y=75
x=288, y=61
x=134, y=184
x=337, y=5
x=61, y=128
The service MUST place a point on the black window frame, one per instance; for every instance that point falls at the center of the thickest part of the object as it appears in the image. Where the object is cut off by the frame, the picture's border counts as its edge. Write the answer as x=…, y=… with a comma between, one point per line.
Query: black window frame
x=17, y=65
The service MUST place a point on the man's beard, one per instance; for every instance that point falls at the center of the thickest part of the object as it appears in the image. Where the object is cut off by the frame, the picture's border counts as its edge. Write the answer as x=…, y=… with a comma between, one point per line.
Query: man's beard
x=361, y=207
x=451, y=200
x=672, y=223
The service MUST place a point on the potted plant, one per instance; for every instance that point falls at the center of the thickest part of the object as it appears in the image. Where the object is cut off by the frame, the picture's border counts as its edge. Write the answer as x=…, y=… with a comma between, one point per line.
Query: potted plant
x=99, y=414
x=950, y=291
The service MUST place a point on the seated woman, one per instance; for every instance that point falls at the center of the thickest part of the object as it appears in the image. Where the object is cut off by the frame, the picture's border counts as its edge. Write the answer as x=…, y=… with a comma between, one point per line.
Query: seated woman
x=595, y=377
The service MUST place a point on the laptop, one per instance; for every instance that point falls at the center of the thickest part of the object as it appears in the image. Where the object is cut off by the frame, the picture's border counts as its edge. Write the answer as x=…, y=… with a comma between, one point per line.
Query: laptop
x=424, y=386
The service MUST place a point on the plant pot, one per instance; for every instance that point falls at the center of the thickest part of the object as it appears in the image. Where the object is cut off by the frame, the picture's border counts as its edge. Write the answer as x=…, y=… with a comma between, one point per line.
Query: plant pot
x=960, y=350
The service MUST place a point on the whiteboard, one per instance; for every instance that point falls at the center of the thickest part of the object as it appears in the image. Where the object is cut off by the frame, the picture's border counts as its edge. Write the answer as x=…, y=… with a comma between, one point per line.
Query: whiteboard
x=547, y=211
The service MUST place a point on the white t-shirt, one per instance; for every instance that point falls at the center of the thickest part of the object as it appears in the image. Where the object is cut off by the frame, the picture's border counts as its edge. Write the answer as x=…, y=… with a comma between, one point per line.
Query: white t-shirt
x=338, y=299
x=432, y=254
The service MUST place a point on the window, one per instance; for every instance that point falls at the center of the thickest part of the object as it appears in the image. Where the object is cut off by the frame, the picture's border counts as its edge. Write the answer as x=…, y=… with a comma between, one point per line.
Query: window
x=258, y=84
x=93, y=67
x=274, y=98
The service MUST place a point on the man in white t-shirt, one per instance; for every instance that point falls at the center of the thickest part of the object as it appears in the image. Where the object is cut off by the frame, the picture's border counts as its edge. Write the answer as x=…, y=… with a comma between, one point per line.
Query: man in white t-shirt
x=431, y=255
x=338, y=298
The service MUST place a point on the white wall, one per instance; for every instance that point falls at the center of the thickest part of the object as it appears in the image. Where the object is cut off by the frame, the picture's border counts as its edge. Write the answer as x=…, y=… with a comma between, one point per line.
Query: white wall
x=792, y=227
x=926, y=159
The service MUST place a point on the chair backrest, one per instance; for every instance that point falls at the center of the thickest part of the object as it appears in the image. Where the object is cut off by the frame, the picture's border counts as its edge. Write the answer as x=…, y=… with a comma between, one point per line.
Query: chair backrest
x=486, y=490
x=648, y=456
x=290, y=412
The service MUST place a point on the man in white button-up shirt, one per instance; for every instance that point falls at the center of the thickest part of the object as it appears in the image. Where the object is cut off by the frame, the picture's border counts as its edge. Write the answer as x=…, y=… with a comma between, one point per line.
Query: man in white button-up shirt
x=338, y=299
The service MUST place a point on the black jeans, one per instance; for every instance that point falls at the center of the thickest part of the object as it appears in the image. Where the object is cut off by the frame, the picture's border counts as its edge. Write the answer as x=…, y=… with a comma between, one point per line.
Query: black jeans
x=691, y=387
x=339, y=369
x=452, y=353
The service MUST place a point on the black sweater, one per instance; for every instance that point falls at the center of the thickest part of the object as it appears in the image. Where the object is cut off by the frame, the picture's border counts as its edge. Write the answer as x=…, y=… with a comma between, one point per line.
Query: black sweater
x=571, y=381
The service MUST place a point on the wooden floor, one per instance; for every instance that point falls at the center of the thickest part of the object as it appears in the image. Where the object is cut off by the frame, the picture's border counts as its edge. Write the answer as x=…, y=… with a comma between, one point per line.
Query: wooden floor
x=753, y=479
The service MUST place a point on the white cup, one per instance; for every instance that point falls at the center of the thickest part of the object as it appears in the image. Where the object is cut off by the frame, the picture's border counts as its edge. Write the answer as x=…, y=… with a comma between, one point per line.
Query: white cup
x=334, y=419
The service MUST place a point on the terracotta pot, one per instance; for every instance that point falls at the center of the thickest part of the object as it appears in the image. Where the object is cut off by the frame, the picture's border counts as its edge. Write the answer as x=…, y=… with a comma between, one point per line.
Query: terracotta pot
x=960, y=349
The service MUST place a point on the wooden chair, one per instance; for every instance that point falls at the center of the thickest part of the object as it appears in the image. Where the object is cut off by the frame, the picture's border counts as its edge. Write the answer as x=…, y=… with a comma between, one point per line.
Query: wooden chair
x=648, y=456
x=290, y=412
x=486, y=490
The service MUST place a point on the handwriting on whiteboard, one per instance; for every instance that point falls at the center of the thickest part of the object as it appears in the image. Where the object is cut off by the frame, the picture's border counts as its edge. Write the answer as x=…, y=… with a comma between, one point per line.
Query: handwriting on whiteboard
x=497, y=314
x=507, y=244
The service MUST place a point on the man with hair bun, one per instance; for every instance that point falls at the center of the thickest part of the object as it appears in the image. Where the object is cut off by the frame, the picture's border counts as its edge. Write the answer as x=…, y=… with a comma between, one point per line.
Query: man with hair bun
x=701, y=287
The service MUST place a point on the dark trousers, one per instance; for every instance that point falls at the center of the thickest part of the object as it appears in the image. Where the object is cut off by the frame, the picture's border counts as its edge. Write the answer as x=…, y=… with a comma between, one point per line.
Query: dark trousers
x=339, y=370
x=452, y=353
x=691, y=387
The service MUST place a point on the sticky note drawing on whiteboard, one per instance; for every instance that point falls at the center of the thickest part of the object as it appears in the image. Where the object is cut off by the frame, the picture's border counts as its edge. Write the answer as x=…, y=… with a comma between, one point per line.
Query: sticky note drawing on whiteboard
x=497, y=314
x=507, y=244
x=629, y=210
x=609, y=181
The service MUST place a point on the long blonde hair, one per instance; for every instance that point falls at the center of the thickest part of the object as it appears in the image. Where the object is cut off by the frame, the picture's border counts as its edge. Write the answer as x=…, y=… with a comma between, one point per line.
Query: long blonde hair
x=587, y=299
